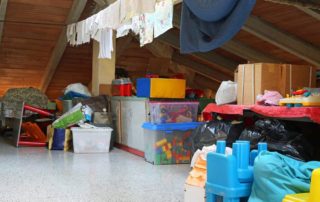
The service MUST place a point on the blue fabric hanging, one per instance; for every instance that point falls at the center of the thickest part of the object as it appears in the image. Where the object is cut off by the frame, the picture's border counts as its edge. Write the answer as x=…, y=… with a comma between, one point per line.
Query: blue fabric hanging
x=208, y=24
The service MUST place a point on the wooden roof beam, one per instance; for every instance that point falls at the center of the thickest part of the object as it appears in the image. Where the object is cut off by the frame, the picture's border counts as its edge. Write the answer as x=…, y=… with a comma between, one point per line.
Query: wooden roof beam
x=234, y=46
x=283, y=40
x=56, y=55
x=313, y=13
x=311, y=4
x=159, y=49
x=200, y=68
x=173, y=40
x=3, y=10
x=122, y=44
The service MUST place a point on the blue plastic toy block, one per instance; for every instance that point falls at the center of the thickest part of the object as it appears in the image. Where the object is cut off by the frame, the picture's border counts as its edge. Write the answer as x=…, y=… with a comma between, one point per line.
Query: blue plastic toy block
x=143, y=87
x=231, y=176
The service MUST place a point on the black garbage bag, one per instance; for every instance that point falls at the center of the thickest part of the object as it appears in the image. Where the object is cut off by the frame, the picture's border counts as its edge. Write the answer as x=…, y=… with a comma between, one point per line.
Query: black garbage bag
x=210, y=132
x=279, y=139
x=253, y=136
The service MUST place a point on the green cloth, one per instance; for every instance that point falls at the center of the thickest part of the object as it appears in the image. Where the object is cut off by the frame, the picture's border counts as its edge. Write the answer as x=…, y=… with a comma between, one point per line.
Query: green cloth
x=276, y=175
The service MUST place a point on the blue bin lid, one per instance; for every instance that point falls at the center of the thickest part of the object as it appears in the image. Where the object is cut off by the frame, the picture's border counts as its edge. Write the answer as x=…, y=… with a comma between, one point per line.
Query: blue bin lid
x=171, y=126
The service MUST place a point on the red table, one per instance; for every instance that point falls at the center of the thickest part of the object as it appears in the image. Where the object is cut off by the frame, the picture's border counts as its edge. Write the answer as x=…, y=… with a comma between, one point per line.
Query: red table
x=312, y=113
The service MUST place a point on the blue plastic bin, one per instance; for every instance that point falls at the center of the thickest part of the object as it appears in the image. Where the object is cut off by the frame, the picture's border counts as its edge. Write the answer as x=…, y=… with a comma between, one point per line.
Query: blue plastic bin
x=168, y=143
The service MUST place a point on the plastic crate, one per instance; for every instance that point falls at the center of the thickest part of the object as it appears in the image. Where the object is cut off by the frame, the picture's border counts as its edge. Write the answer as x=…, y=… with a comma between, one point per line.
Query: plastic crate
x=173, y=112
x=168, y=143
x=91, y=140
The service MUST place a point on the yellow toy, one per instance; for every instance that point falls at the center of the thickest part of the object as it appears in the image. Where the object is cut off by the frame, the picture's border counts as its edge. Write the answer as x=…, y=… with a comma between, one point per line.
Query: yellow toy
x=301, y=98
x=313, y=196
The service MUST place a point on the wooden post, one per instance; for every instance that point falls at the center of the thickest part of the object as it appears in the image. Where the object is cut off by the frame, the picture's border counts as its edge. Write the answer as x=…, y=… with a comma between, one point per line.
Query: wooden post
x=103, y=70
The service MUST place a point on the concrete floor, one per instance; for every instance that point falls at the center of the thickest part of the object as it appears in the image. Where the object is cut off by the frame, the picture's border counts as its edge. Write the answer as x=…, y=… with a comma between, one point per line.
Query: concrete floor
x=36, y=174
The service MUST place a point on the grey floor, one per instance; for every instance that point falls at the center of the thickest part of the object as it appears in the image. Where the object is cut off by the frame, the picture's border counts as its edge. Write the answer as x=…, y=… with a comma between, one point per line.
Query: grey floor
x=36, y=174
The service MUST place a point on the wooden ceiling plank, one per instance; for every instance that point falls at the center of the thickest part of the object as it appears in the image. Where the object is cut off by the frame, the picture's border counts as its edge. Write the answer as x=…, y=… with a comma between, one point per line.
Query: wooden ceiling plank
x=313, y=13
x=248, y=53
x=159, y=49
x=3, y=10
x=199, y=68
x=173, y=40
x=122, y=44
x=283, y=40
x=74, y=14
x=313, y=4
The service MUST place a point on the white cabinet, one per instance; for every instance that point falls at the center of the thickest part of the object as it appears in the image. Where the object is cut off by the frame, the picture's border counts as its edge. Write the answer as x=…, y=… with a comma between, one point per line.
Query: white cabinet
x=130, y=113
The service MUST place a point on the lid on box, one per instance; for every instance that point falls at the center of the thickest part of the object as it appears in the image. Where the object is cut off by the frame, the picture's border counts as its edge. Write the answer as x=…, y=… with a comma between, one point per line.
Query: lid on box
x=99, y=129
x=121, y=81
x=171, y=126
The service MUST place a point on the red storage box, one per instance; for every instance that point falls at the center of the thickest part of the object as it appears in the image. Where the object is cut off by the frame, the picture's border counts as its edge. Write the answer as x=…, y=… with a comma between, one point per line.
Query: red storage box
x=122, y=87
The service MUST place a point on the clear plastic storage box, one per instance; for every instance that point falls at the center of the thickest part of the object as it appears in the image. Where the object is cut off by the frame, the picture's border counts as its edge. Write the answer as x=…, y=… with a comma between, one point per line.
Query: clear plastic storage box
x=91, y=140
x=173, y=112
x=168, y=143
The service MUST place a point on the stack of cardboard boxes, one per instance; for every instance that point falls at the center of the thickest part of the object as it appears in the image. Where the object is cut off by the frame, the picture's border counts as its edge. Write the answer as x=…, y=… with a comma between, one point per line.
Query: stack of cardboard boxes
x=254, y=79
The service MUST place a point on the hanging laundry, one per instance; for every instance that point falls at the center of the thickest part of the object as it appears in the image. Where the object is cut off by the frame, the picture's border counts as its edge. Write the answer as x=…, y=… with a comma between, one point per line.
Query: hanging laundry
x=146, y=25
x=131, y=8
x=124, y=29
x=91, y=26
x=163, y=17
x=71, y=34
x=82, y=37
x=106, y=43
x=109, y=17
x=97, y=35
x=208, y=24
x=79, y=33
x=85, y=34
x=135, y=26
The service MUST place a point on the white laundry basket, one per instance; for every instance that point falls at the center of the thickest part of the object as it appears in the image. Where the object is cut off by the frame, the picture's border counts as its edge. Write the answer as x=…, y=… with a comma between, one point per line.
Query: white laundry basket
x=91, y=140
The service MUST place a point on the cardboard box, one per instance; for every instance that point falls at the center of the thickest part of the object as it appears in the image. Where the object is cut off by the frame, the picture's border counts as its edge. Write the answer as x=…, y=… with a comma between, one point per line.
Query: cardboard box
x=295, y=77
x=254, y=79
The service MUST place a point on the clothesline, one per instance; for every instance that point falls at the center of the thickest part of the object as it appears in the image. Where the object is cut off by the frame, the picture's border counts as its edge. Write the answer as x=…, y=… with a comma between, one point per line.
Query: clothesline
x=146, y=18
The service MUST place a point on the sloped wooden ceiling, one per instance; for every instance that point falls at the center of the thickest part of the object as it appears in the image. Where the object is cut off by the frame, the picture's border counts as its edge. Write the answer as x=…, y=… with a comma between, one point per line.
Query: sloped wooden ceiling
x=30, y=31
x=32, y=28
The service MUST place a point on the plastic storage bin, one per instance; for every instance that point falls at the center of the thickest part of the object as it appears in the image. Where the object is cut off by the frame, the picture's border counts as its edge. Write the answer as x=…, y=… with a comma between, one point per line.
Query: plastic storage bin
x=173, y=112
x=168, y=143
x=122, y=87
x=91, y=140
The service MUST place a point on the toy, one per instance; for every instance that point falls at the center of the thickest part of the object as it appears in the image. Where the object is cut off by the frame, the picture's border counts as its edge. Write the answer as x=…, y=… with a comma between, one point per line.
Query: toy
x=173, y=112
x=313, y=196
x=302, y=98
x=231, y=176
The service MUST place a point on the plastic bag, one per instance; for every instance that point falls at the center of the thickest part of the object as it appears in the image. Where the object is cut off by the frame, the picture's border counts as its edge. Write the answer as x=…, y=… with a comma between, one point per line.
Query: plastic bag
x=227, y=93
x=279, y=139
x=77, y=88
x=276, y=175
x=210, y=132
x=73, y=116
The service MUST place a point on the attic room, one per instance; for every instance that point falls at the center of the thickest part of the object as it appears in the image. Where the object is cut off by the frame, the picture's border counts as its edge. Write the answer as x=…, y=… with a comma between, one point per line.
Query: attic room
x=160, y=100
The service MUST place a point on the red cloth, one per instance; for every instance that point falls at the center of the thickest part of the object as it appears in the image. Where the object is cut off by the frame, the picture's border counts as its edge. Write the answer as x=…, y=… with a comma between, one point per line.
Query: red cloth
x=313, y=113
x=225, y=109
